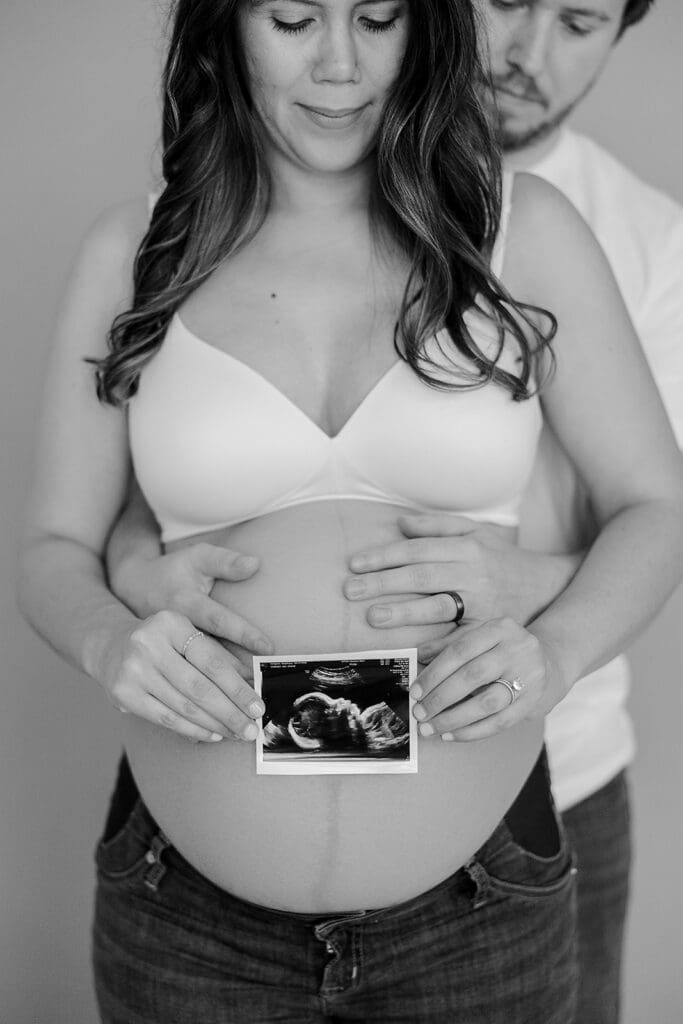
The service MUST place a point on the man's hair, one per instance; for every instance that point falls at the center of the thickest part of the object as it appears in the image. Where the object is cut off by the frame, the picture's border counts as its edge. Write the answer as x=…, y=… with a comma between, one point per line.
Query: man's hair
x=633, y=12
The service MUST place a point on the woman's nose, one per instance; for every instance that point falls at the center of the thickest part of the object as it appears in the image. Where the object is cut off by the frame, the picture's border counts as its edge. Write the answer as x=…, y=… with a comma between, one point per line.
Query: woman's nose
x=337, y=55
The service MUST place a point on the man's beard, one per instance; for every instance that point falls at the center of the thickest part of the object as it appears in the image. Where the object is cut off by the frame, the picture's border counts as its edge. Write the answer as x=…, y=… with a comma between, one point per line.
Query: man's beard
x=512, y=141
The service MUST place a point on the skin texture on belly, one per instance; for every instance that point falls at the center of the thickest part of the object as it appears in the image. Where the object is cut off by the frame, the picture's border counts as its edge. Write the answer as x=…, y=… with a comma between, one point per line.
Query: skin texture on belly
x=323, y=843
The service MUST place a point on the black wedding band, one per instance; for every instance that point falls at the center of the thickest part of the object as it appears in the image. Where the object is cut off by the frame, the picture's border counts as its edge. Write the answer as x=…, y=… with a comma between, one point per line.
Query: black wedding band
x=459, y=605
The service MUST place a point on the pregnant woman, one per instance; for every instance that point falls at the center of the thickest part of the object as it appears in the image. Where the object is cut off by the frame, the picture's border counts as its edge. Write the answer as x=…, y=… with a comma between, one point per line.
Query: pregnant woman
x=330, y=316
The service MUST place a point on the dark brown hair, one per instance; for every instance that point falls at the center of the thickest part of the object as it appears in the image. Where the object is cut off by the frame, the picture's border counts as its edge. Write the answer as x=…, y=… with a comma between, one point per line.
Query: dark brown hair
x=633, y=12
x=438, y=191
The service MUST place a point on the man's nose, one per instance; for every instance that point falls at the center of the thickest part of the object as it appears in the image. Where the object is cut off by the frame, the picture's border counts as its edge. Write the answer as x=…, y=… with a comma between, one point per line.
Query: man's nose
x=530, y=44
x=337, y=55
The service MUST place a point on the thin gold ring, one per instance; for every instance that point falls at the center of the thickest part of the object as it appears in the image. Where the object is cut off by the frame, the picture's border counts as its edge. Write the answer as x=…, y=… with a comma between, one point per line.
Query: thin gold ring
x=193, y=636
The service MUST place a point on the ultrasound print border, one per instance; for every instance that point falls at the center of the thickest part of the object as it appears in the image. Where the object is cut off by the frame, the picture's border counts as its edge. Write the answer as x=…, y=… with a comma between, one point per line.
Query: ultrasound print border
x=321, y=762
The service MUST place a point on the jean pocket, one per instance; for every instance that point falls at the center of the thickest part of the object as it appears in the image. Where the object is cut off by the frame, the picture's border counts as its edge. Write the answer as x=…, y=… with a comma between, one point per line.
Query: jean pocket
x=513, y=870
x=121, y=855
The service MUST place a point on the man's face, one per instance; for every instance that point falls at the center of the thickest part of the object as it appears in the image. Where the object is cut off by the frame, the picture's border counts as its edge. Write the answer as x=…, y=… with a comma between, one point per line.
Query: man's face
x=544, y=57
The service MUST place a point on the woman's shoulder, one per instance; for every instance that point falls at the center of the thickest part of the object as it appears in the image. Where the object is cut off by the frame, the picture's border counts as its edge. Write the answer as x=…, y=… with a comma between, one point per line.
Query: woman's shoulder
x=103, y=269
x=115, y=234
x=540, y=207
x=547, y=237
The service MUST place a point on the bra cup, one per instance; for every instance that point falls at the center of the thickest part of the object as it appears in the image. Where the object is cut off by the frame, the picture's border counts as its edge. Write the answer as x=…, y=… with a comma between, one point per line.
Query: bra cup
x=214, y=443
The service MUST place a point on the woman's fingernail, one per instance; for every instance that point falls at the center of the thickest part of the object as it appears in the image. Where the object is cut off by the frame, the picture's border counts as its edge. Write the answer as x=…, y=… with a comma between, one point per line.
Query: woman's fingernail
x=245, y=563
x=250, y=732
x=358, y=563
x=416, y=691
x=256, y=709
x=355, y=588
x=380, y=613
x=419, y=712
x=215, y=737
x=447, y=736
x=426, y=729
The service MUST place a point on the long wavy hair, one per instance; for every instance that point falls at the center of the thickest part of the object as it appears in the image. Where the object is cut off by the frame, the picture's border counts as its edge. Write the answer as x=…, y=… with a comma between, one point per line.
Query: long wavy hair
x=437, y=190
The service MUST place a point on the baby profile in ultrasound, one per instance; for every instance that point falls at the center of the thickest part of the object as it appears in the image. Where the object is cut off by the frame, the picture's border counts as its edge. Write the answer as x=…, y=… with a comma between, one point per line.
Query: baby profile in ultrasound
x=354, y=711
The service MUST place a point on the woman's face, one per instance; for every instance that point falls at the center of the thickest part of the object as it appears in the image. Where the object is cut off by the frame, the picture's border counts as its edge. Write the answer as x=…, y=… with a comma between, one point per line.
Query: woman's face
x=320, y=73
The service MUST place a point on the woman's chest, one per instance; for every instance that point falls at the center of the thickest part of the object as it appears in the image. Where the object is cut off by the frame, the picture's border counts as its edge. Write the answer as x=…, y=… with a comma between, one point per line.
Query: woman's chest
x=322, y=335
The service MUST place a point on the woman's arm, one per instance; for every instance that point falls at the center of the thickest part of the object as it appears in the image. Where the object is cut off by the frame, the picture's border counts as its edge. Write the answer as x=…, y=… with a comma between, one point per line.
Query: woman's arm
x=79, y=485
x=605, y=409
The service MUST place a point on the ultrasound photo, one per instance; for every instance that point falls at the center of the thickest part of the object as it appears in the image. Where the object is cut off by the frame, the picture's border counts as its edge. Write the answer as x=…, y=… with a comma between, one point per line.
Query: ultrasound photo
x=336, y=713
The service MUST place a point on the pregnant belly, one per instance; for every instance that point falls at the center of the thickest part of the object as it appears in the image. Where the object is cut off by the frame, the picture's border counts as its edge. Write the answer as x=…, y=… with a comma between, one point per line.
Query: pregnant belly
x=323, y=843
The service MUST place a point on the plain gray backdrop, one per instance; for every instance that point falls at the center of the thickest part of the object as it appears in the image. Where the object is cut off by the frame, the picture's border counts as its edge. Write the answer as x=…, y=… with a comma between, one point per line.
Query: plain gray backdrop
x=78, y=109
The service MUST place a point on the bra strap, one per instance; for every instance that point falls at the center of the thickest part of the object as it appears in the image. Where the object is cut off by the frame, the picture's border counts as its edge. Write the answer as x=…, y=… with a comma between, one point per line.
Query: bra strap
x=498, y=254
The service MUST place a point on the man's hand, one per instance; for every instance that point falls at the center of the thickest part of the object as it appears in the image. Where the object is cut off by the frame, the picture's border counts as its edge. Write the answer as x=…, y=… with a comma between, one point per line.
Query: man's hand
x=182, y=582
x=148, y=581
x=443, y=552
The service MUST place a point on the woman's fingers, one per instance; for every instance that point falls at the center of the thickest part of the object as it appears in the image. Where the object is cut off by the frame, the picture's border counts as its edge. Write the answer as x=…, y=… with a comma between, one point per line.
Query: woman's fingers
x=459, y=694
x=216, y=687
x=185, y=709
x=212, y=617
x=157, y=703
x=197, y=688
x=427, y=651
x=469, y=642
x=166, y=659
x=158, y=713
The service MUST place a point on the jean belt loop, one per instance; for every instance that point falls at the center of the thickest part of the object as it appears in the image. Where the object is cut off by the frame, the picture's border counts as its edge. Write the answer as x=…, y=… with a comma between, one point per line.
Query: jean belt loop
x=480, y=880
x=156, y=869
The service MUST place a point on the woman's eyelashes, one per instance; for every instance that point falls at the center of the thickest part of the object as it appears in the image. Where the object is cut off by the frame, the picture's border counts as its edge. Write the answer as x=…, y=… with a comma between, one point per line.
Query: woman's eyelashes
x=369, y=24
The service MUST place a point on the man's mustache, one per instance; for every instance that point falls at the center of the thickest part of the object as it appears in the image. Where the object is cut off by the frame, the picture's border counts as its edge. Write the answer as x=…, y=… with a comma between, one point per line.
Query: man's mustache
x=519, y=85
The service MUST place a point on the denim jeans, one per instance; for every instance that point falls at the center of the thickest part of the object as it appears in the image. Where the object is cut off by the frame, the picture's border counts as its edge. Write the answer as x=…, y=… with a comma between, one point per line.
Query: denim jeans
x=493, y=944
x=600, y=833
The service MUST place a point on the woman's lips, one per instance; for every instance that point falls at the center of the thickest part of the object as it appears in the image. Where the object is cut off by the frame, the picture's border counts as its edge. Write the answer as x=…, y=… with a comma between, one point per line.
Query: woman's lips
x=326, y=117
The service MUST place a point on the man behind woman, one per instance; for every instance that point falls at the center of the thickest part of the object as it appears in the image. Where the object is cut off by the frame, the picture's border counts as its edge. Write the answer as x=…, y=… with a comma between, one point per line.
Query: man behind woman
x=282, y=360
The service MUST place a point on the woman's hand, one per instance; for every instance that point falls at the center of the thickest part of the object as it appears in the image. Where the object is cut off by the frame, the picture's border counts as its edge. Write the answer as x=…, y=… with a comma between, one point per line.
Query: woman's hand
x=461, y=696
x=181, y=581
x=443, y=553
x=167, y=672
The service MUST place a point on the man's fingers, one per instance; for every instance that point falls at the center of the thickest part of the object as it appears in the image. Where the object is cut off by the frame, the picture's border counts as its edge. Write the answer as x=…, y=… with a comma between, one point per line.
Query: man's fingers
x=400, y=553
x=436, y=525
x=418, y=612
x=224, y=563
x=420, y=578
x=212, y=617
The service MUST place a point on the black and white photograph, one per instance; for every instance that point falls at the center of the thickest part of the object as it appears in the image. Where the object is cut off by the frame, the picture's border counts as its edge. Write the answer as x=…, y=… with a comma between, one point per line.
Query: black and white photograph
x=337, y=714
x=341, y=544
